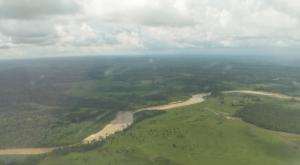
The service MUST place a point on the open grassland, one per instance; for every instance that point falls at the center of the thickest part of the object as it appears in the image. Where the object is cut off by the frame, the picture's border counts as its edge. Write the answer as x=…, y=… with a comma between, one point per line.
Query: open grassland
x=203, y=133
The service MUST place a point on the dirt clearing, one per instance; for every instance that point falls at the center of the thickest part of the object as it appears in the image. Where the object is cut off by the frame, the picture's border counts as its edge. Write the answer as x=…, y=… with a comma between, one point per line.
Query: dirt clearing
x=25, y=151
x=270, y=94
x=122, y=121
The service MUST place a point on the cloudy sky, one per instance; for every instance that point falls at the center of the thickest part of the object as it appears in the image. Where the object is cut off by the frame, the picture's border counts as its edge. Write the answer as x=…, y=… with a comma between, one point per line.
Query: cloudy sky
x=38, y=28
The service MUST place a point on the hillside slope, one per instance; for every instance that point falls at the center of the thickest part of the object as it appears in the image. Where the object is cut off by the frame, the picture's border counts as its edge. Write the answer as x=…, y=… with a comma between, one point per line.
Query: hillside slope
x=191, y=135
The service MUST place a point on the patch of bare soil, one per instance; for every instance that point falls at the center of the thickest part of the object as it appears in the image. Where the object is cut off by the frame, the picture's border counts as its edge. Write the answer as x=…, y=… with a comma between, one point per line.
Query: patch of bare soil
x=125, y=119
x=122, y=121
x=194, y=100
x=270, y=94
x=25, y=151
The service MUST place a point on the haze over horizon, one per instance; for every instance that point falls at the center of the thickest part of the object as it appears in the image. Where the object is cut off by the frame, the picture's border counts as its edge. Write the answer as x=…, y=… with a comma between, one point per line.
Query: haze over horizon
x=35, y=28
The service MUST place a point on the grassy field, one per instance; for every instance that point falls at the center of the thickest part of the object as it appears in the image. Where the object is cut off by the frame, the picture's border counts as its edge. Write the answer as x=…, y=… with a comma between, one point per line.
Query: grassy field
x=199, y=134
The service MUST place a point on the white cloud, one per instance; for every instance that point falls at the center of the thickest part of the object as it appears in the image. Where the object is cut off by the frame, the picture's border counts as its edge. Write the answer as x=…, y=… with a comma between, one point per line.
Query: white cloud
x=140, y=12
x=137, y=26
x=129, y=40
x=31, y=9
x=28, y=32
x=75, y=33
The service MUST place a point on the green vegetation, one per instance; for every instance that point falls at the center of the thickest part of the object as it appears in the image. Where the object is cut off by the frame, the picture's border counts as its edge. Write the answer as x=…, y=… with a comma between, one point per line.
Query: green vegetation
x=274, y=115
x=142, y=115
x=35, y=126
x=53, y=102
x=20, y=160
x=191, y=135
